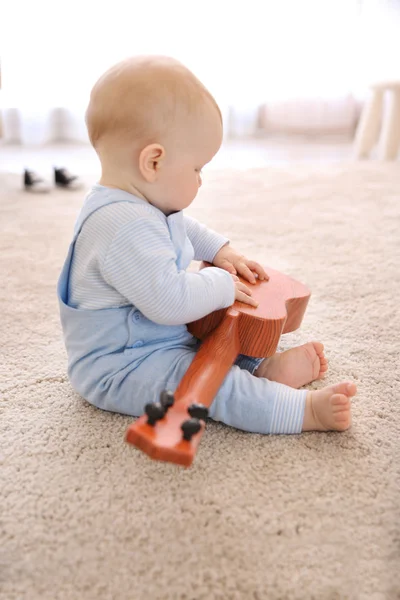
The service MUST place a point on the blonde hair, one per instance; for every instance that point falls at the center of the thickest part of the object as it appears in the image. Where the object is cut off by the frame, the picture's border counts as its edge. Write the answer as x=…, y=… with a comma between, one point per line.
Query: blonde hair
x=141, y=97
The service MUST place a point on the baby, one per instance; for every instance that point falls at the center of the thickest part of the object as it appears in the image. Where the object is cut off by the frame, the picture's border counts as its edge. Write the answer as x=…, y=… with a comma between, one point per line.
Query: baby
x=125, y=293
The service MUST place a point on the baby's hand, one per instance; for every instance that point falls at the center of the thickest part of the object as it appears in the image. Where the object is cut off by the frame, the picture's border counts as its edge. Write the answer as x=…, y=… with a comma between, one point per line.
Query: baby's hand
x=243, y=293
x=227, y=258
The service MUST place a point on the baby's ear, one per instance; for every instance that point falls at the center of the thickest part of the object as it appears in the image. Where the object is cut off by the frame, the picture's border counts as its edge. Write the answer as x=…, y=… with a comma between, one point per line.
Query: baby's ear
x=149, y=161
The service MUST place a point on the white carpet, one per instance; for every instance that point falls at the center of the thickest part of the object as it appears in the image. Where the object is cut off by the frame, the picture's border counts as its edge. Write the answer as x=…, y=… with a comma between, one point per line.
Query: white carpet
x=85, y=516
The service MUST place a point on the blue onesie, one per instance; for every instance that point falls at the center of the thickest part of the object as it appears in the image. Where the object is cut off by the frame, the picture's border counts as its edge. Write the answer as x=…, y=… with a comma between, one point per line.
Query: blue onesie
x=125, y=298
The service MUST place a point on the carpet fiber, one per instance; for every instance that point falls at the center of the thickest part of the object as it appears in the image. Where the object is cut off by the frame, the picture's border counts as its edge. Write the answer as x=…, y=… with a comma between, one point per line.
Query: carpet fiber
x=85, y=516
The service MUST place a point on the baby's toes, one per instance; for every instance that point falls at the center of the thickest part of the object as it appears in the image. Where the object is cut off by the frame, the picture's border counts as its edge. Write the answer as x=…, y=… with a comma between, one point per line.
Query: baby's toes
x=351, y=389
x=344, y=423
x=339, y=403
x=319, y=348
x=345, y=388
x=341, y=411
x=323, y=366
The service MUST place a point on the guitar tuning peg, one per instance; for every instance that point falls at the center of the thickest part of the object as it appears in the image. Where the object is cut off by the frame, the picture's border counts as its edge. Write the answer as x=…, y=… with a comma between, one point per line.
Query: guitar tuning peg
x=198, y=411
x=166, y=399
x=190, y=428
x=154, y=412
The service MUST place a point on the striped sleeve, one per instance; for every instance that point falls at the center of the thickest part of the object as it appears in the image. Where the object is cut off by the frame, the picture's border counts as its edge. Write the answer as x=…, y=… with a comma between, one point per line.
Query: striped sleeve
x=140, y=264
x=205, y=241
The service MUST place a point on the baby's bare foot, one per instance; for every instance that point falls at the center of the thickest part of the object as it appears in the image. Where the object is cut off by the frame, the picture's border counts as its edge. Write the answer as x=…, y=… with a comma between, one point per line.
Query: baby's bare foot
x=295, y=367
x=329, y=409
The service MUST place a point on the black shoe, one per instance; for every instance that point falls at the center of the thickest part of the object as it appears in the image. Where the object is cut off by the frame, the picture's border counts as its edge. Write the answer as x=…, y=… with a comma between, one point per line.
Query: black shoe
x=34, y=183
x=63, y=178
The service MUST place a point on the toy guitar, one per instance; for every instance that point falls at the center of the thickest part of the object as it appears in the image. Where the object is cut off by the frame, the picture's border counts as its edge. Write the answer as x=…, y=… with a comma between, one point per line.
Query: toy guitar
x=172, y=428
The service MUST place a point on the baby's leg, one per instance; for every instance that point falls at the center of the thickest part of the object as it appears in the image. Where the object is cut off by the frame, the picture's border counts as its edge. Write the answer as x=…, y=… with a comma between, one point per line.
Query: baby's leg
x=295, y=367
x=263, y=406
x=243, y=401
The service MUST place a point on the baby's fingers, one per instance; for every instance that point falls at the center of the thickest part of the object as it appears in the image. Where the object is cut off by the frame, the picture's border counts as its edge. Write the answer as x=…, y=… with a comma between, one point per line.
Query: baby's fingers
x=242, y=287
x=243, y=294
x=257, y=268
x=245, y=272
x=242, y=297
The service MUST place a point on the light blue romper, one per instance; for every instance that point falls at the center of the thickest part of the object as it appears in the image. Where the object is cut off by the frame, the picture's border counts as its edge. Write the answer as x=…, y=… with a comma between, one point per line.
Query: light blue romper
x=119, y=360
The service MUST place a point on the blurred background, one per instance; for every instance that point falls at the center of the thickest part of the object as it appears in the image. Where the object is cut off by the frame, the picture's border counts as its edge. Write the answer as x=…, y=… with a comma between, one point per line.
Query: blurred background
x=291, y=77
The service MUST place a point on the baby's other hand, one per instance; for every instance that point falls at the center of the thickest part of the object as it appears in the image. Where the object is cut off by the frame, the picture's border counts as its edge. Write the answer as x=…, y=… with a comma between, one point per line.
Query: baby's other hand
x=227, y=258
x=243, y=293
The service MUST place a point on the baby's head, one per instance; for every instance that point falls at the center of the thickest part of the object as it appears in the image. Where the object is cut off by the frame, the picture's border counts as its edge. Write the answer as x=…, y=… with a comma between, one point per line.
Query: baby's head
x=154, y=126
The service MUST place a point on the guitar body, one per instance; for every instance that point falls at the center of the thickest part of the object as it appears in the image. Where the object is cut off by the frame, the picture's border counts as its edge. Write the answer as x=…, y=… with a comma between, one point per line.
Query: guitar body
x=171, y=431
x=282, y=304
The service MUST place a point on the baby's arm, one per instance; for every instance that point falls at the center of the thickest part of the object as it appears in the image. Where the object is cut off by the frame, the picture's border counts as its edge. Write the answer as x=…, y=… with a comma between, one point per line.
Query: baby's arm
x=141, y=264
x=213, y=247
x=205, y=241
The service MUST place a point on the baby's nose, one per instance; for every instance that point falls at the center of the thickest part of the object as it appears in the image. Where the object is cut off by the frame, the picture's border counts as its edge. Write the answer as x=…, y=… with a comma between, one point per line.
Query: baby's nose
x=200, y=181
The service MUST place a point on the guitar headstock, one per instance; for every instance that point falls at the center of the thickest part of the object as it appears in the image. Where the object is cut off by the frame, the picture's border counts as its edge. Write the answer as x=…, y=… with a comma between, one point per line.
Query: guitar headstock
x=169, y=430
